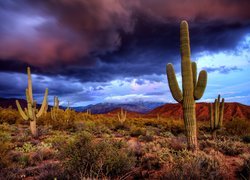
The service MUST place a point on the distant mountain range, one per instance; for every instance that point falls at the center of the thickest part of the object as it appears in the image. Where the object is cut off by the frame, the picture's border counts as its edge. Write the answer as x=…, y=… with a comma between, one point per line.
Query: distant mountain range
x=100, y=108
x=140, y=107
x=151, y=109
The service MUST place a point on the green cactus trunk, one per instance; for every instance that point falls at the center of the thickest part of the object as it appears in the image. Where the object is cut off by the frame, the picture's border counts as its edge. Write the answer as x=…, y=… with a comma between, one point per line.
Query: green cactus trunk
x=33, y=128
x=191, y=89
x=31, y=113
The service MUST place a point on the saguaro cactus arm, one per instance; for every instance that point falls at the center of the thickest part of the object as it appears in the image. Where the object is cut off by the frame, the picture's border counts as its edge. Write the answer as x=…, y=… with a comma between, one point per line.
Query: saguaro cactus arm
x=194, y=71
x=201, y=85
x=173, y=84
x=20, y=110
x=42, y=109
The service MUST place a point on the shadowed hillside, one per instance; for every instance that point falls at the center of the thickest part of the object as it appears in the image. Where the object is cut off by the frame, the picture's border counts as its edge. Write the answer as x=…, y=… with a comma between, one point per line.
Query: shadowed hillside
x=202, y=111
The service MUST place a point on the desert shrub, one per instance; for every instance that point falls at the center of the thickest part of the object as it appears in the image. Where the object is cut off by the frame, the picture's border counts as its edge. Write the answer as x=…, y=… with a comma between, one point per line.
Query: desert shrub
x=246, y=139
x=89, y=158
x=177, y=144
x=167, y=134
x=176, y=127
x=151, y=162
x=59, y=140
x=5, y=146
x=187, y=165
x=146, y=138
x=230, y=147
x=159, y=149
x=244, y=172
x=121, y=126
x=137, y=131
x=9, y=115
x=26, y=148
x=23, y=160
x=52, y=171
x=96, y=128
x=9, y=173
x=238, y=127
x=65, y=120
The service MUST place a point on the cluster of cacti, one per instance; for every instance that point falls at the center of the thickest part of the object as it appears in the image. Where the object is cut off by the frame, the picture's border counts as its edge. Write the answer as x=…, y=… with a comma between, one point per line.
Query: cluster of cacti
x=216, y=115
x=122, y=116
x=191, y=88
x=31, y=113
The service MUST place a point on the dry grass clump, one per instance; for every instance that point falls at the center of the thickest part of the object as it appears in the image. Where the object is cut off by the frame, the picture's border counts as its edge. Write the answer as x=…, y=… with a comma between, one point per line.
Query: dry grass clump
x=186, y=165
x=244, y=171
x=238, y=127
x=10, y=116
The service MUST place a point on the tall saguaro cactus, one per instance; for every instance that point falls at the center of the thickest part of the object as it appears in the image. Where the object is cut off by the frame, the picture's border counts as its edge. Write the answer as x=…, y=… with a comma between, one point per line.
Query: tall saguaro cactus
x=31, y=113
x=216, y=115
x=191, y=88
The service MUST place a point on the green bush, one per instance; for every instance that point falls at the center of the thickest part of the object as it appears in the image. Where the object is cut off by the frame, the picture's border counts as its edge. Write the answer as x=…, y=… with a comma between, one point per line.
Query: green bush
x=87, y=158
x=26, y=148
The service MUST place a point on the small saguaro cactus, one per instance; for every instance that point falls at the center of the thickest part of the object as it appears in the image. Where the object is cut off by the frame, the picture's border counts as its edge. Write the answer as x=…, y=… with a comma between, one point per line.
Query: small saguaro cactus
x=216, y=115
x=54, y=109
x=31, y=113
x=122, y=116
x=88, y=112
x=67, y=113
x=191, y=88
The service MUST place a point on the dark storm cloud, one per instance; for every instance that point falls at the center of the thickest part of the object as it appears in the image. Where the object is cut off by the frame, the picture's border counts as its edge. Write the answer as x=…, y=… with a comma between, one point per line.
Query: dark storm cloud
x=102, y=40
x=222, y=69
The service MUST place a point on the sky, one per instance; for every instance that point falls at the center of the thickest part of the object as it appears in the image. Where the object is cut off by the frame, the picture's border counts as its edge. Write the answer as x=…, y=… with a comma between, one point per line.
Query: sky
x=88, y=52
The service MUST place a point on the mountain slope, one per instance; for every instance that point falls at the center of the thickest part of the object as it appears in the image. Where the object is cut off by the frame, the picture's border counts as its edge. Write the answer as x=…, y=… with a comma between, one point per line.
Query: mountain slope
x=140, y=107
x=202, y=111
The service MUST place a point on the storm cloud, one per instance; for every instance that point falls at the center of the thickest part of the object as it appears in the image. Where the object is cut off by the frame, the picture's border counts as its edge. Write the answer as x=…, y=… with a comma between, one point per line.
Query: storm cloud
x=100, y=41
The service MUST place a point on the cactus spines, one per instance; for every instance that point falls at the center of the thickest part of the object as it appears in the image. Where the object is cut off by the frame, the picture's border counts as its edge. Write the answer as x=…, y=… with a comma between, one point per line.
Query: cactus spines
x=122, y=116
x=31, y=113
x=216, y=115
x=191, y=88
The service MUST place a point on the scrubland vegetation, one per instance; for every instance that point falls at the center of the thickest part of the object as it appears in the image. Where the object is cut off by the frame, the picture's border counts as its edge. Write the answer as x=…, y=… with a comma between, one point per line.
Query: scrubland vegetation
x=81, y=145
